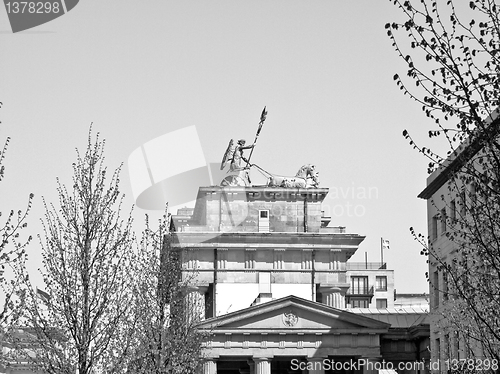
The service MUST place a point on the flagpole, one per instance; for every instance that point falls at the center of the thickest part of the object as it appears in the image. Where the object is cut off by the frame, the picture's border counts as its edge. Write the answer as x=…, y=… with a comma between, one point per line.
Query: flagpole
x=381, y=251
x=261, y=122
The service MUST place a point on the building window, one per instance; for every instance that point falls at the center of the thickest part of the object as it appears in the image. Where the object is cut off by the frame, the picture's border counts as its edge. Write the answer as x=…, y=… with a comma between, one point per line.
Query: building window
x=443, y=221
x=434, y=228
x=453, y=211
x=264, y=220
x=381, y=303
x=435, y=288
x=359, y=285
x=381, y=283
x=438, y=349
x=249, y=259
x=456, y=344
x=446, y=348
x=463, y=201
x=445, y=285
x=359, y=303
x=473, y=195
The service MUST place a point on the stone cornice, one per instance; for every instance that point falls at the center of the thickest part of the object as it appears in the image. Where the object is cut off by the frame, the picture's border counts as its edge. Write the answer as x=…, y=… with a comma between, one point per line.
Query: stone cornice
x=267, y=240
x=294, y=332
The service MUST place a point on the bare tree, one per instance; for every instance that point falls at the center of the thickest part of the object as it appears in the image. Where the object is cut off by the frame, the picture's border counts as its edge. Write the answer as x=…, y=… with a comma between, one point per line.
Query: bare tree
x=82, y=320
x=12, y=254
x=167, y=338
x=452, y=54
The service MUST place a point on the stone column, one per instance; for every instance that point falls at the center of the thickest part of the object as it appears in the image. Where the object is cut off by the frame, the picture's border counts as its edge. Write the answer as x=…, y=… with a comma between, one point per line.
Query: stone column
x=209, y=366
x=332, y=296
x=262, y=365
x=316, y=365
x=196, y=301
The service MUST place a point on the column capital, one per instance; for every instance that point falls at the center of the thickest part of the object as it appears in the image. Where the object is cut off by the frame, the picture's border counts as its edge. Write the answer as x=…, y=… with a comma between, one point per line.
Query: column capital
x=209, y=365
x=335, y=287
x=325, y=289
x=259, y=359
x=333, y=296
x=201, y=288
x=262, y=365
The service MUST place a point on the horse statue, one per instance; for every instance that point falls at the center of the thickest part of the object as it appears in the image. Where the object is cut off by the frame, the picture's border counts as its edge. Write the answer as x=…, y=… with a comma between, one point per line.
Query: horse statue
x=306, y=177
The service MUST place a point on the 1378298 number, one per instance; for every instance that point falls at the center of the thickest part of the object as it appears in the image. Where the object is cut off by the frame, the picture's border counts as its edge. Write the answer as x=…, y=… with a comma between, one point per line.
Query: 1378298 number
x=472, y=364
x=32, y=7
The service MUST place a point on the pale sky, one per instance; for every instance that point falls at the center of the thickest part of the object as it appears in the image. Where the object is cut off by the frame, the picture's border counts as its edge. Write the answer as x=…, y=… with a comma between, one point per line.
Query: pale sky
x=139, y=70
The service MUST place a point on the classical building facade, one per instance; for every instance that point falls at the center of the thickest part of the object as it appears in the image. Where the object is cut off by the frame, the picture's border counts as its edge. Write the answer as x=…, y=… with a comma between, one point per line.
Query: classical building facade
x=452, y=200
x=446, y=341
x=277, y=291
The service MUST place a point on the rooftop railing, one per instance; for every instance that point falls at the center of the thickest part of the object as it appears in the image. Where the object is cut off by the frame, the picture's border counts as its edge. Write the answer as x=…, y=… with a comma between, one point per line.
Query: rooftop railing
x=365, y=265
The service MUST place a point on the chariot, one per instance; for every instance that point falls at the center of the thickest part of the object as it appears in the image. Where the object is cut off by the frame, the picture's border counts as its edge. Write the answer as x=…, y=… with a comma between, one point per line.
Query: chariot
x=239, y=175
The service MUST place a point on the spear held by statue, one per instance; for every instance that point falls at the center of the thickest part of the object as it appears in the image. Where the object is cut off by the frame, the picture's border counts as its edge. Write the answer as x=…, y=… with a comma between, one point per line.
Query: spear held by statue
x=234, y=156
x=261, y=123
x=238, y=175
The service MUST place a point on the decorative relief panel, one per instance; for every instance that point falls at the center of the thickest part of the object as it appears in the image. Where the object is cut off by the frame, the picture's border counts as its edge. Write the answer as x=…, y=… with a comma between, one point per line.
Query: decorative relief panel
x=279, y=259
x=227, y=344
x=249, y=258
x=319, y=338
x=263, y=342
x=282, y=340
x=222, y=258
x=246, y=336
x=290, y=319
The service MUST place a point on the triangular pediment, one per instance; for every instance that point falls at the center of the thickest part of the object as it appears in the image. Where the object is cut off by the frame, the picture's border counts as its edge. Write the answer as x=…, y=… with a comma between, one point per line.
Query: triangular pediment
x=292, y=312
